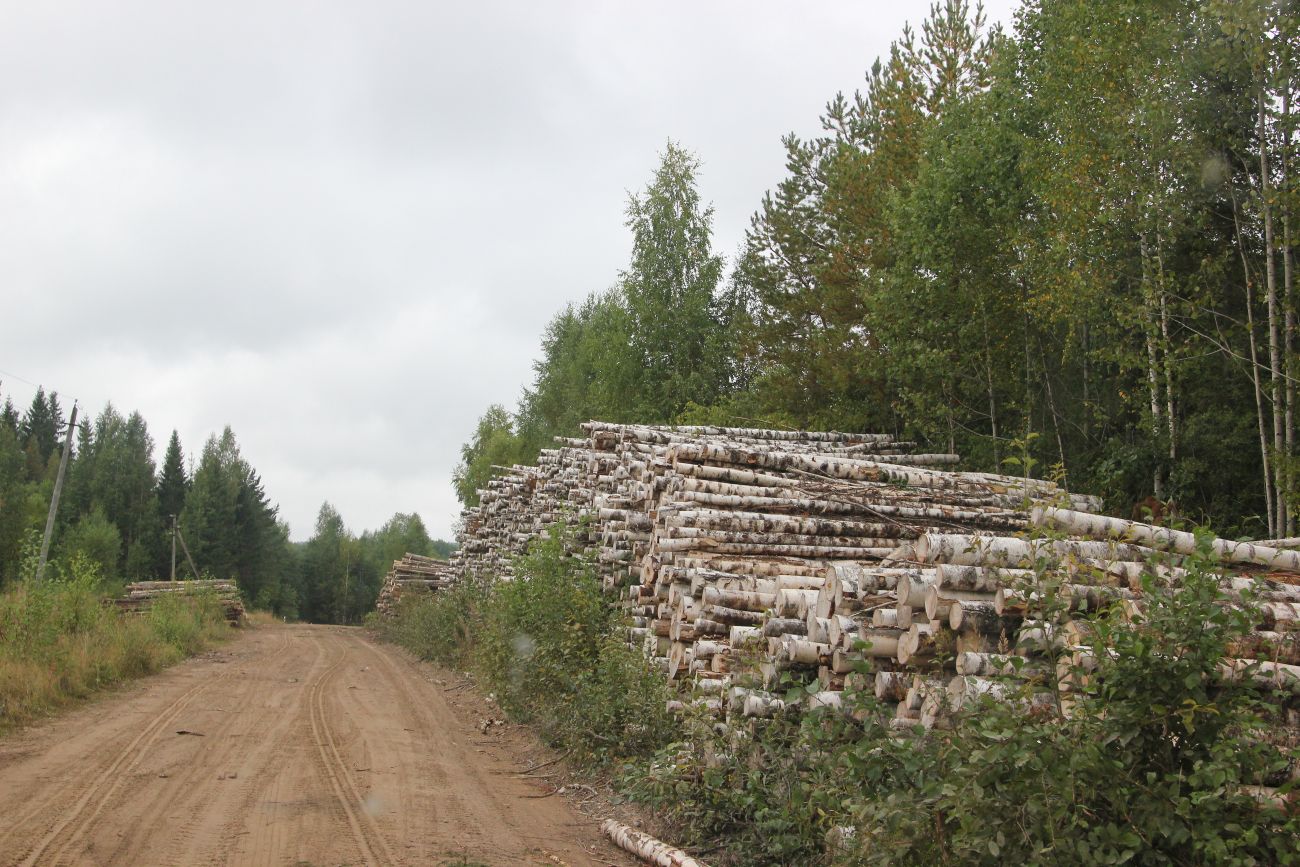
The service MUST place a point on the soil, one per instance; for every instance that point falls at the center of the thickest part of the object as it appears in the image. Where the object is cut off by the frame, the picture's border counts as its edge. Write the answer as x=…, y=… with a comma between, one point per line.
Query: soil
x=293, y=745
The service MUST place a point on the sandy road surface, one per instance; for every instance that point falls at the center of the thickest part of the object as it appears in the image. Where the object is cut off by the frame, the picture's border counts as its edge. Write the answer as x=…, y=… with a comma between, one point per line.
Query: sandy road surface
x=304, y=745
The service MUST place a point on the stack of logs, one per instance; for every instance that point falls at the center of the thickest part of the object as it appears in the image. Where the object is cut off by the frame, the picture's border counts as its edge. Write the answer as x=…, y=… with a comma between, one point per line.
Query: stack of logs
x=413, y=573
x=746, y=554
x=140, y=596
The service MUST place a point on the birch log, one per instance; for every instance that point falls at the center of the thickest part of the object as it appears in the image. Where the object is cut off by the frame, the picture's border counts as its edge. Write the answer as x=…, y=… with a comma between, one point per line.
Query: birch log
x=645, y=847
x=1162, y=538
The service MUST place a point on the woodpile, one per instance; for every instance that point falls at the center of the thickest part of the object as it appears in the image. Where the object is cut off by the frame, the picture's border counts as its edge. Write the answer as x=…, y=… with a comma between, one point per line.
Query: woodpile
x=140, y=596
x=745, y=555
x=413, y=573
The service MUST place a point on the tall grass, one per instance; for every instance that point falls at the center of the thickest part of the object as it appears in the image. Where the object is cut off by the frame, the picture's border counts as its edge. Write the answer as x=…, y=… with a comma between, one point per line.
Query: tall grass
x=60, y=641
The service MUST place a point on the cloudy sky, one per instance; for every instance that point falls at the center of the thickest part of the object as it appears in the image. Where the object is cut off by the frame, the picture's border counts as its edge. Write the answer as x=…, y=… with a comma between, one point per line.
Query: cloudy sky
x=340, y=227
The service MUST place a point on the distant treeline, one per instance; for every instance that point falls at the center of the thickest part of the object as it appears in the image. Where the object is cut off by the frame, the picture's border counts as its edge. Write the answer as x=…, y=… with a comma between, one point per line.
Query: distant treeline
x=116, y=510
x=1070, y=243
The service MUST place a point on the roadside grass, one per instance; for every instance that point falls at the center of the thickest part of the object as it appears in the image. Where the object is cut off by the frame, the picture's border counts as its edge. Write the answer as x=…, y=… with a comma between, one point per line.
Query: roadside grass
x=60, y=642
x=547, y=649
x=262, y=618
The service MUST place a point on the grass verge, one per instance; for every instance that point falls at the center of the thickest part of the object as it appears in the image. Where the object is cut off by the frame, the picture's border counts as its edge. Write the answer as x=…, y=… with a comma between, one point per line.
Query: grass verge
x=60, y=642
x=546, y=647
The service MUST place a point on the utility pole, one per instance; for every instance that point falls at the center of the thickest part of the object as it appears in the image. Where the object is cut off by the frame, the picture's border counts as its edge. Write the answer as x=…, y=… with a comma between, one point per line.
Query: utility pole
x=186, y=549
x=346, y=571
x=173, y=547
x=58, y=489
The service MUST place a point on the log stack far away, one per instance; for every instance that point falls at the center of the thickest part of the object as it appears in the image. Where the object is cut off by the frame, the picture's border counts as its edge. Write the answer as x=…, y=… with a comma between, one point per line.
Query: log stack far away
x=140, y=596
x=846, y=558
x=413, y=573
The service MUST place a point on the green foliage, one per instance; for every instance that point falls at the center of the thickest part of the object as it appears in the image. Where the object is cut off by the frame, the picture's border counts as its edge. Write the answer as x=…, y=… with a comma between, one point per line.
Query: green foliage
x=95, y=538
x=1149, y=768
x=585, y=371
x=546, y=646
x=42, y=425
x=1054, y=230
x=328, y=560
x=678, y=330
x=494, y=444
x=660, y=341
x=59, y=641
x=443, y=627
x=233, y=530
x=762, y=794
x=340, y=573
x=15, y=492
x=116, y=511
x=113, y=474
x=174, y=482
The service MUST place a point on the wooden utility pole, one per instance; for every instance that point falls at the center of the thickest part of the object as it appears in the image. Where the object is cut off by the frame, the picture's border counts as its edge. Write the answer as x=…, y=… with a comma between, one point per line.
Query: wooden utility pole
x=173, y=547
x=346, y=571
x=58, y=489
x=186, y=549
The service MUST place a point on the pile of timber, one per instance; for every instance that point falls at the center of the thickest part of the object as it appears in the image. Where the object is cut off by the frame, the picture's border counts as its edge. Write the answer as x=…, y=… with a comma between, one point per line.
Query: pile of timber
x=413, y=573
x=748, y=555
x=140, y=596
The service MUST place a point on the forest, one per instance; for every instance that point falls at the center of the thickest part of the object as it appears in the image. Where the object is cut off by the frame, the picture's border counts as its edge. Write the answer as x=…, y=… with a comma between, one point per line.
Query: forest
x=116, y=512
x=1066, y=246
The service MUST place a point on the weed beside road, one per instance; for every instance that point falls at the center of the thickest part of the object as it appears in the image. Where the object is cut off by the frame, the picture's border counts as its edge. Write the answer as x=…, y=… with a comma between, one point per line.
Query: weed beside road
x=60, y=641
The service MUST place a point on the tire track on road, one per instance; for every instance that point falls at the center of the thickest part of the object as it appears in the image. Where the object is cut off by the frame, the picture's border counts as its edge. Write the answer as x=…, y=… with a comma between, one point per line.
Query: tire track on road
x=345, y=788
x=106, y=783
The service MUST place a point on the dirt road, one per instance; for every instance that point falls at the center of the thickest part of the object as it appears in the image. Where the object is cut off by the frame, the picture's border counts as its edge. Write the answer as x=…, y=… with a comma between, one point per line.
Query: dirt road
x=292, y=745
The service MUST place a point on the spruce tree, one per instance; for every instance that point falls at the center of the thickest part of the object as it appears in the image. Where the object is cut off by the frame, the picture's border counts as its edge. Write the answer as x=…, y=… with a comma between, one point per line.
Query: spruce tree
x=9, y=416
x=39, y=426
x=174, y=483
x=208, y=518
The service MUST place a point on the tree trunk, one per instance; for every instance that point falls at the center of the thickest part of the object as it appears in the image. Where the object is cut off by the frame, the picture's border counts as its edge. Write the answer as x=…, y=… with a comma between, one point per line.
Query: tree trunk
x=1288, y=294
x=966, y=550
x=1254, y=369
x=1161, y=538
x=1271, y=303
x=1153, y=376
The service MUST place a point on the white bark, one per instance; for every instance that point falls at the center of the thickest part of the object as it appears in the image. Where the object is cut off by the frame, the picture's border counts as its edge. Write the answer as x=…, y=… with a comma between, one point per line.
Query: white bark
x=1162, y=538
x=645, y=847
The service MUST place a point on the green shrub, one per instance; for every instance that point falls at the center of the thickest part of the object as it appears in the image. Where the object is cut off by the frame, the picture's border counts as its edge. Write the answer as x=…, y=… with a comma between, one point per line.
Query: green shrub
x=442, y=627
x=758, y=792
x=547, y=648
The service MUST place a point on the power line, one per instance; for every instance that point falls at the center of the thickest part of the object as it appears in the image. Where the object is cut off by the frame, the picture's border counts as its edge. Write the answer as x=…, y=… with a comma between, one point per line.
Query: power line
x=25, y=381
x=19, y=378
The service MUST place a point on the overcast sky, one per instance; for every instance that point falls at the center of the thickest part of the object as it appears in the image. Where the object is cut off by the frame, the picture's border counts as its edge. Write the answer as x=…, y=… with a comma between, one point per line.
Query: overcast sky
x=341, y=227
